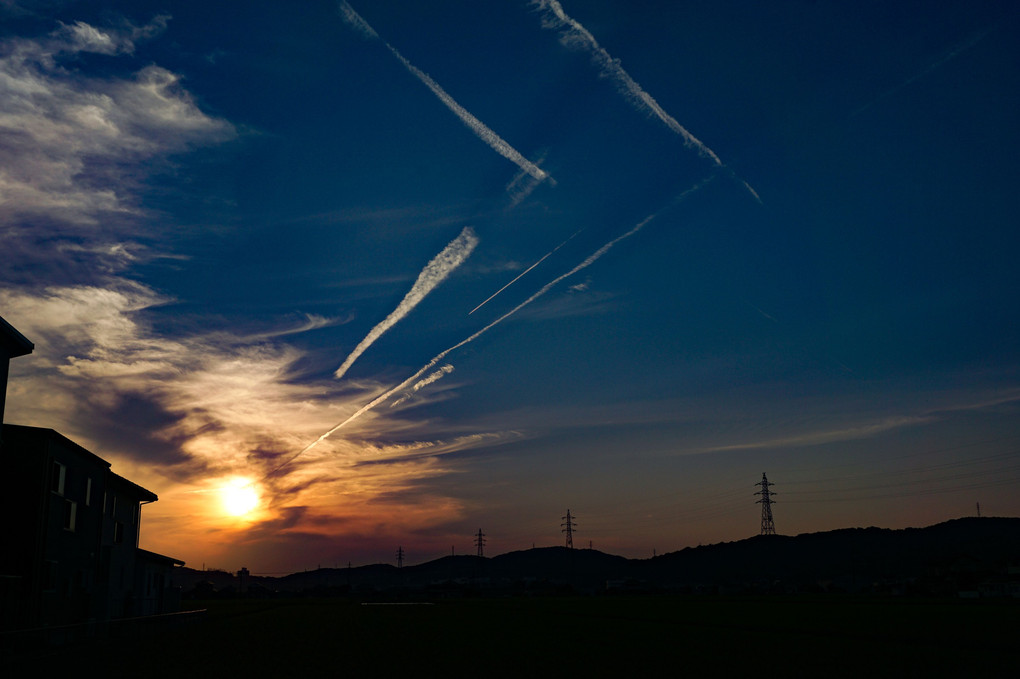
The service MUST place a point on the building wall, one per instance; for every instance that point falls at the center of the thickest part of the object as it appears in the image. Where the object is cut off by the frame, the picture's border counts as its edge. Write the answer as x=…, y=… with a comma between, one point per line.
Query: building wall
x=120, y=543
x=58, y=525
x=73, y=551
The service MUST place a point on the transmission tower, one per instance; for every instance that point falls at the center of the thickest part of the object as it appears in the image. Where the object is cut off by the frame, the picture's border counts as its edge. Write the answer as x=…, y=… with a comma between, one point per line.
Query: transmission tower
x=480, y=542
x=768, y=527
x=400, y=557
x=568, y=527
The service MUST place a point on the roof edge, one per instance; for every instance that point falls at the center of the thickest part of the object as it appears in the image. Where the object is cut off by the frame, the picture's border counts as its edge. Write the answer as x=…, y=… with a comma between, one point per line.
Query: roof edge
x=144, y=493
x=18, y=344
x=153, y=556
x=47, y=433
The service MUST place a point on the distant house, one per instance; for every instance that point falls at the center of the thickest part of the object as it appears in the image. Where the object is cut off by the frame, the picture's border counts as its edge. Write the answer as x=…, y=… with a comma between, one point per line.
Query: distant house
x=70, y=552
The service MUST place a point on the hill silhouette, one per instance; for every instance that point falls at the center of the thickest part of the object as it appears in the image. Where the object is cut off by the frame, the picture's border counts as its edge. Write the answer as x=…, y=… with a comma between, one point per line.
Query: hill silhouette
x=943, y=559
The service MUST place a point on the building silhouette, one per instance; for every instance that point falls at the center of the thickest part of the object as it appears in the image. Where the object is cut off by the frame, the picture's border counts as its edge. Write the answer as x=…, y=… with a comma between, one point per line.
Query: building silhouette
x=70, y=552
x=12, y=345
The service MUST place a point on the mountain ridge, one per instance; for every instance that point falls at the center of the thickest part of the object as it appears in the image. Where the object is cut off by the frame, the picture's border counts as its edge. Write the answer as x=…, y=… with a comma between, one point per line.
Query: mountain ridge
x=937, y=559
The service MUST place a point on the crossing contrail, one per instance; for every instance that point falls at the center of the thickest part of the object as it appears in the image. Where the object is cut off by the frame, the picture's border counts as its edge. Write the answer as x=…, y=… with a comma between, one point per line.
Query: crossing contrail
x=495, y=142
x=434, y=273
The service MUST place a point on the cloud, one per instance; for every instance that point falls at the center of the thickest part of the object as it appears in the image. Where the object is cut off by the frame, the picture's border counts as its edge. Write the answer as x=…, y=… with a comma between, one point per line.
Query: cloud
x=940, y=405
x=439, y=448
x=576, y=36
x=494, y=141
x=72, y=144
x=309, y=322
x=190, y=404
x=434, y=273
x=177, y=411
x=822, y=436
x=82, y=37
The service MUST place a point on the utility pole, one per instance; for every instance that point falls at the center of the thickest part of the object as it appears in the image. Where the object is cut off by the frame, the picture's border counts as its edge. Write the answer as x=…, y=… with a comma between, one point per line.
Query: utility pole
x=768, y=527
x=979, y=509
x=400, y=557
x=480, y=542
x=568, y=527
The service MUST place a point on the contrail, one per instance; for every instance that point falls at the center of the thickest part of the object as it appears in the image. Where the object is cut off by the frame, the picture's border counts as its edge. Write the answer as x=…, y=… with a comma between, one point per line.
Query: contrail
x=452, y=256
x=675, y=201
x=575, y=34
x=495, y=142
x=591, y=259
x=524, y=272
x=956, y=51
x=434, y=377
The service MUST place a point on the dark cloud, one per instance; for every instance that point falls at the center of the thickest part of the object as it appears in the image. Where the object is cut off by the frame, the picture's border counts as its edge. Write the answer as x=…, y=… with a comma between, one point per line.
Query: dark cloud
x=137, y=426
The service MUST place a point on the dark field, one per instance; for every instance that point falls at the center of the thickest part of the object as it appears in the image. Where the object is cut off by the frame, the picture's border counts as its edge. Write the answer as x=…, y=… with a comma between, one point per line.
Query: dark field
x=771, y=636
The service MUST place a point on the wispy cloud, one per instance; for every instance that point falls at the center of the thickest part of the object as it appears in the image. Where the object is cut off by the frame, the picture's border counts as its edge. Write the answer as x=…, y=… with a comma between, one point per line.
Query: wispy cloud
x=941, y=405
x=822, y=436
x=495, y=142
x=69, y=139
x=77, y=150
x=575, y=35
x=434, y=273
x=203, y=402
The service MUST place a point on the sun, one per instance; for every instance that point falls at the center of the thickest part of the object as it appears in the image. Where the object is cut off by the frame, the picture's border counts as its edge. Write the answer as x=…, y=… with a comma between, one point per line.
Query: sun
x=240, y=497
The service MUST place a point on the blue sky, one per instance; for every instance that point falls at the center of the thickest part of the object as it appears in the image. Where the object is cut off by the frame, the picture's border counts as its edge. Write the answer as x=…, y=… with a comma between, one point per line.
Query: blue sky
x=766, y=237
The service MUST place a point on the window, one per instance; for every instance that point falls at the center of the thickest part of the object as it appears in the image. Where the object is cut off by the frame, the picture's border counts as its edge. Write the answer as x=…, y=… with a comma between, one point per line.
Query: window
x=58, y=475
x=88, y=491
x=70, y=514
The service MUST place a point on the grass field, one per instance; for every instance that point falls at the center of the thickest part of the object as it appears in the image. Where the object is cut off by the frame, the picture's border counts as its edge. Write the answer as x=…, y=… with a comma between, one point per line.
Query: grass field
x=774, y=636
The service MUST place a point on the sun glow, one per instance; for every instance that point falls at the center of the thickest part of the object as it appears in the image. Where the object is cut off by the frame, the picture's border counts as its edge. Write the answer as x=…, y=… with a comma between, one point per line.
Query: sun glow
x=240, y=497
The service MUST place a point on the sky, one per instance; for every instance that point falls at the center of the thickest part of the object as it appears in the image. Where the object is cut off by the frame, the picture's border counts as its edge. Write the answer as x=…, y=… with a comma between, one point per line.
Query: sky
x=395, y=272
